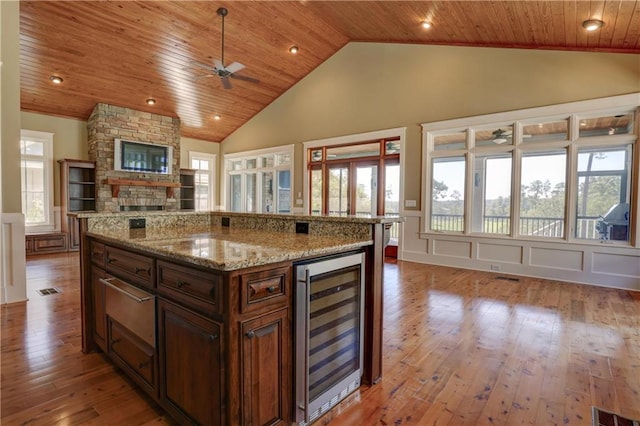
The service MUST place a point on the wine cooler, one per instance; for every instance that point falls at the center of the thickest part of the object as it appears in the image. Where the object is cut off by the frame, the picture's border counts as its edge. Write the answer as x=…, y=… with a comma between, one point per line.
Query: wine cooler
x=329, y=327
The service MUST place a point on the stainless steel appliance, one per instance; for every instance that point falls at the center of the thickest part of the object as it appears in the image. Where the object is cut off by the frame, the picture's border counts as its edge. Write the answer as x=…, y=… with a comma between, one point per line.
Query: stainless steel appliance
x=132, y=308
x=329, y=333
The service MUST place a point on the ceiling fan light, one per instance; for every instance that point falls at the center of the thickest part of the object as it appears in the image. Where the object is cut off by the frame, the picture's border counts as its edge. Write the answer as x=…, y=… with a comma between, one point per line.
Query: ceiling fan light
x=55, y=79
x=293, y=50
x=426, y=24
x=150, y=101
x=592, y=24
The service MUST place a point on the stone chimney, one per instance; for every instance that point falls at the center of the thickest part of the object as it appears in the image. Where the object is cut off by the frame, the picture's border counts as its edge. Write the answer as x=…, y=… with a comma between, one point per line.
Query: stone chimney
x=108, y=122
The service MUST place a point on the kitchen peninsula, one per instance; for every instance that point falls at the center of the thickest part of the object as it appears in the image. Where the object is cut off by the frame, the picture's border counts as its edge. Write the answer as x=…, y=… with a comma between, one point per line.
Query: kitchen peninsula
x=198, y=308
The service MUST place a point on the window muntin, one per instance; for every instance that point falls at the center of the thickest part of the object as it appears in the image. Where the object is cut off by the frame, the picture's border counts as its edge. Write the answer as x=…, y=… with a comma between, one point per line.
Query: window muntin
x=603, y=196
x=491, y=212
x=36, y=167
x=448, y=189
x=542, y=194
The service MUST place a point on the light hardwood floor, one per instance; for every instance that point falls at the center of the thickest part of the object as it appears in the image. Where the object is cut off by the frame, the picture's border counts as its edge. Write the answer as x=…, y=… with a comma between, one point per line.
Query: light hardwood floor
x=461, y=347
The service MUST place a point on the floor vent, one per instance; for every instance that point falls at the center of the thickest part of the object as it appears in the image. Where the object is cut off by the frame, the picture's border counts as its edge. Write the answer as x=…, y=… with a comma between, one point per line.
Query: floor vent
x=48, y=291
x=507, y=278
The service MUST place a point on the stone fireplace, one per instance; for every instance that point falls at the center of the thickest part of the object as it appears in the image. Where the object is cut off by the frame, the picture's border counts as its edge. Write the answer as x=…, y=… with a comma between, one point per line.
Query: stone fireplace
x=108, y=122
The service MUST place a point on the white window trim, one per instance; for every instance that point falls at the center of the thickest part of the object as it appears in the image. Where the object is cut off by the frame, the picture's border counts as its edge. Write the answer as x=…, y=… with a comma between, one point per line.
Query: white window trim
x=283, y=149
x=574, y=111
x=47, y=139
x=212, y=173
x=399, y=132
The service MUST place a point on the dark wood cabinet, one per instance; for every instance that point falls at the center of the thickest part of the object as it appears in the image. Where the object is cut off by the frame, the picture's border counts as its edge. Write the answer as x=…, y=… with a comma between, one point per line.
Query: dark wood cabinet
x=54, y=242
x=191, y=365
x=187, y=189
x=77, y=194
x=99, y=313
x=266, y=369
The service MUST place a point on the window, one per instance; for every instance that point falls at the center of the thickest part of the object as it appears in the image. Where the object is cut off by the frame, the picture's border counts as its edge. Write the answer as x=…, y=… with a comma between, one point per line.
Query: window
x=564, y=175
x=447, y=188
x=36, y=168
x=260, y=181
x=204, y=165
x=603, y=193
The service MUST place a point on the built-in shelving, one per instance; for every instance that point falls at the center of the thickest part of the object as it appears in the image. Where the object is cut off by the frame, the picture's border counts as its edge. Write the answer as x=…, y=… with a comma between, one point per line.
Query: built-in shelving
x=77, y=194
x=187, y=189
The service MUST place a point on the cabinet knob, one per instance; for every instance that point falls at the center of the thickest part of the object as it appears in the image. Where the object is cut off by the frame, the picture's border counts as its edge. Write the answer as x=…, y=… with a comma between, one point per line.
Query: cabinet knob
x=250, y=334
x=109, y=260
x=271, y=289
x=180, y=284
x=213, y=337
x=143, y=365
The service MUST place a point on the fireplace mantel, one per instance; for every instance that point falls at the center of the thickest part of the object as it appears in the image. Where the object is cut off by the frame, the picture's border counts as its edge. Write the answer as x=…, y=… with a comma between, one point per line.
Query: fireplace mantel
x=116, y=183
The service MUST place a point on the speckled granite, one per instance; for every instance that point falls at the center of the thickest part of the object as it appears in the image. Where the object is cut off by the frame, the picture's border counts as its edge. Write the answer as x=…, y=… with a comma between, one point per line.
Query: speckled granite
x=227, y=249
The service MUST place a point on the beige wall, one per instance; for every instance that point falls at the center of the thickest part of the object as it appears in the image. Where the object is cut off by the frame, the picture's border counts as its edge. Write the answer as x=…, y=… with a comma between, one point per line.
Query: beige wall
x=10, y=107
x=196, y=145
x=371, y=86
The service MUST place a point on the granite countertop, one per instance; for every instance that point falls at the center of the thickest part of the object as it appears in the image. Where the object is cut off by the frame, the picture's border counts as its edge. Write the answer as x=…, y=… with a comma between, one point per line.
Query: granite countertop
x=227, y=249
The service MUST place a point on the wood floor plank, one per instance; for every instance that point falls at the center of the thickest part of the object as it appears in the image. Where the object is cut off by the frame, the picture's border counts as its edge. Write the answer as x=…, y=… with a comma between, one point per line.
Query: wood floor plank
x=460, y=347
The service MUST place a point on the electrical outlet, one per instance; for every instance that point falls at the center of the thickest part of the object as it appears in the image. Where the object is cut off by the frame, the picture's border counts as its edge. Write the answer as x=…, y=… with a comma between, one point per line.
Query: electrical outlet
x=226, y=221
x=302, y=228
x=495, y=267
x=410, y=203
x=139, y=223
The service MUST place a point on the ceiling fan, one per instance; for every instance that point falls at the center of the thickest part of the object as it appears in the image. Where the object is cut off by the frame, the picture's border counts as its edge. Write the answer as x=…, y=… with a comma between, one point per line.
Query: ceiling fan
x=219, y=70
x=501, y=136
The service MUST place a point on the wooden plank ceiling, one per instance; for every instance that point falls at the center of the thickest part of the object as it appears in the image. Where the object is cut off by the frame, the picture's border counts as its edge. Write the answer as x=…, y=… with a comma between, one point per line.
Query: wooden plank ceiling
x=124, y=52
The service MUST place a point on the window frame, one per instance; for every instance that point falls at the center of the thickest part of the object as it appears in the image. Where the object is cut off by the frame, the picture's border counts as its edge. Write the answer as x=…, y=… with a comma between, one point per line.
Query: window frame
x=573, y=113
x=248, y=156
x=47, y=159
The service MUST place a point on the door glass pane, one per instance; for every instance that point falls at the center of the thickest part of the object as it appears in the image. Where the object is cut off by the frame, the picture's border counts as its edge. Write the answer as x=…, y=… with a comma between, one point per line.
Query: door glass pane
x=447, y=191
x=492, y=194
x=366, y=191
x=339, y=191
x=267, y=192
x=542, y=194
x=33, y=196
x=392, y=190
x=316, y=191
x=202, y=190
x=354, y=151
x=284, y=191
x=236, y=193
x=603, y=194
x=250, y=193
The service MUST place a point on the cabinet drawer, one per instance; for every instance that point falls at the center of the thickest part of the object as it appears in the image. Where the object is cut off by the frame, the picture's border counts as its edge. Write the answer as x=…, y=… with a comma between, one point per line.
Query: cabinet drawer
x=97, y=253
x=264, y=289
x=132, y=267
x=198, y=289
x=133, y=355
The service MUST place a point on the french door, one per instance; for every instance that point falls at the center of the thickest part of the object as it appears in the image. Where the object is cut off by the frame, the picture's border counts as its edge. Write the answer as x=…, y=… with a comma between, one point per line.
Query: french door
x=352, y=189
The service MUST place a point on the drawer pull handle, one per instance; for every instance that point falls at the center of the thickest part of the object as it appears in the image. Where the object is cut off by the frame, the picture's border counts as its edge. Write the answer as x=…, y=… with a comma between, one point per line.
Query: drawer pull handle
x=250, y=334
x=181, y=284
x=271, y=289
x=109, y=260
x=212, y=293
x=108, y=283
x=138, y=270
x=213, y=337
x=143, y=365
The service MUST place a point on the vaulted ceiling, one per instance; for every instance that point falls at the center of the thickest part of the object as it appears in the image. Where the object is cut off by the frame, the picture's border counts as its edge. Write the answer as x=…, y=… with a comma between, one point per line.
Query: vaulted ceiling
x=125, y=52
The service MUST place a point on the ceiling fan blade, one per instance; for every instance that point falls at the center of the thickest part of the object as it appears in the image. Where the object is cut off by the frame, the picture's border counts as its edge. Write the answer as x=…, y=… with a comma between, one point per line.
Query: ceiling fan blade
x=218, y=64
x=205, y=66
x=244, y=78
x=234, y=67
x=226, y=83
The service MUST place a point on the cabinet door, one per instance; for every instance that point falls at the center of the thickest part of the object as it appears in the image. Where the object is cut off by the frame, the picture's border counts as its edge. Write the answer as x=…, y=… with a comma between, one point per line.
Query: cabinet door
x=99, y=313
x=266, y=369
x=190, y=363
x=74, y=233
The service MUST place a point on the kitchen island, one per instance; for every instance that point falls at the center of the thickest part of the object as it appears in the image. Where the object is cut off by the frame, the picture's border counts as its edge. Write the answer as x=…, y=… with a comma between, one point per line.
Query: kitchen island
x=198, y=308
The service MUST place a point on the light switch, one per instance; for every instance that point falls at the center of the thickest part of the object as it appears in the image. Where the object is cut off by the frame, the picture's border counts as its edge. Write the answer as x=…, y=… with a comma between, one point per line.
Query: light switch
x=409, y=203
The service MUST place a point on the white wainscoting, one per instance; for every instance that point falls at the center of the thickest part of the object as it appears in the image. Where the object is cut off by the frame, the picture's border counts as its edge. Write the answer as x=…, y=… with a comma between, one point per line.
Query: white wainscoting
x=602, y=265
x=12, y=259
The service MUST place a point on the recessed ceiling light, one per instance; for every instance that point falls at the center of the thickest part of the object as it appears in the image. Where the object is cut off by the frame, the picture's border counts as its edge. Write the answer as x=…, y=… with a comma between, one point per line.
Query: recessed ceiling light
x=293, y=50
x=425, y=24
x=592, y=24
x=151, y=101
x=217, y=117
x=56, y=79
